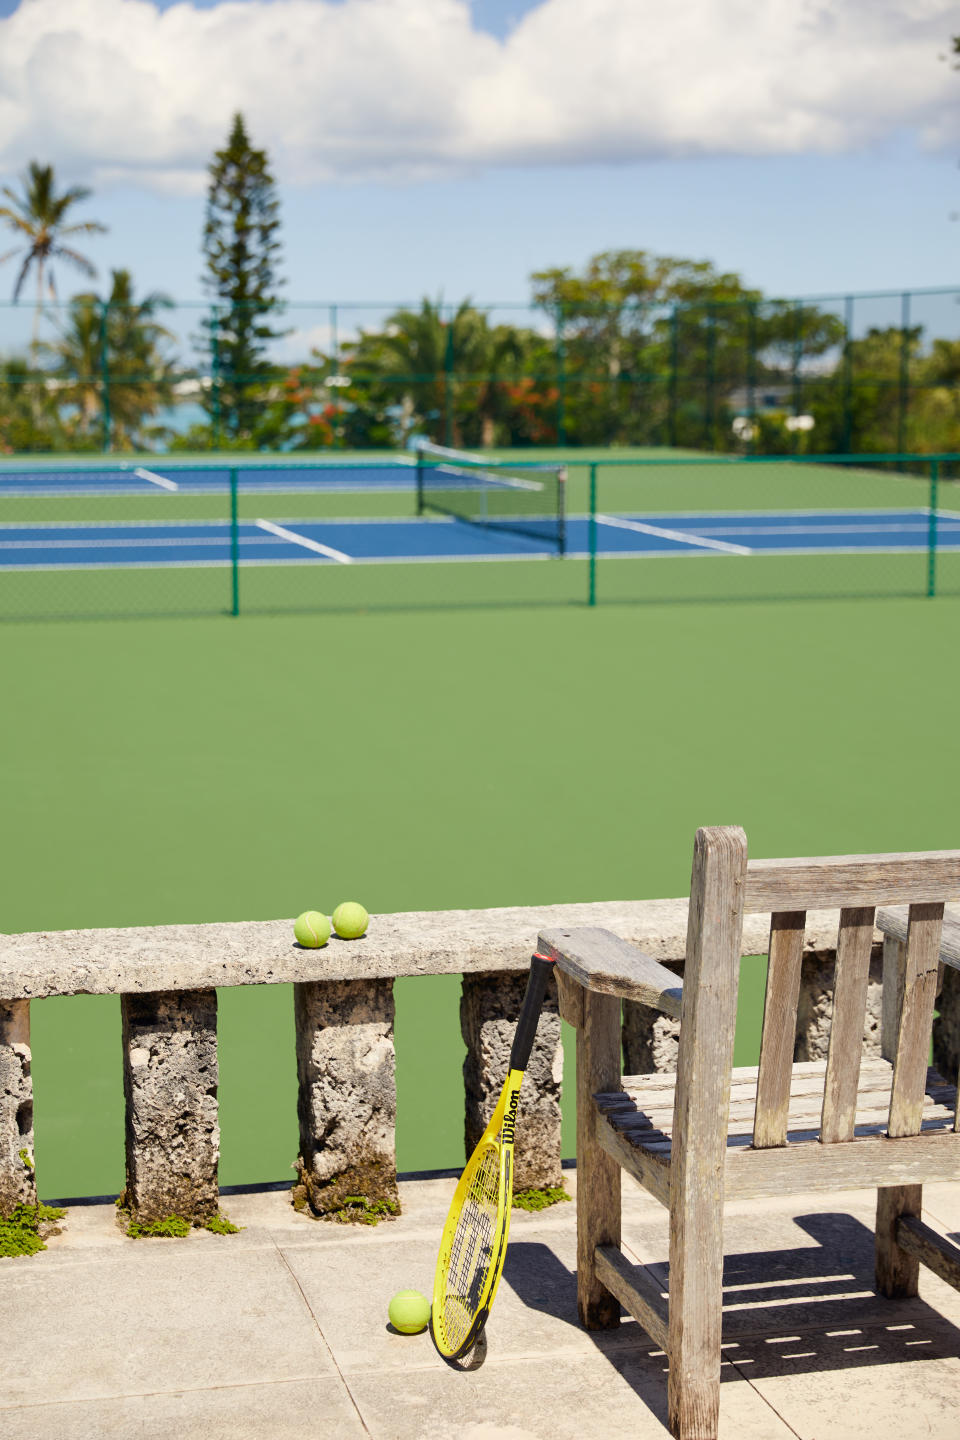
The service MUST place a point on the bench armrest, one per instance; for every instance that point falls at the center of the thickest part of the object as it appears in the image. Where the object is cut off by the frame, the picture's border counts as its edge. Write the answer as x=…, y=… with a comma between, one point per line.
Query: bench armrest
x=602, y=962
x=893, y=922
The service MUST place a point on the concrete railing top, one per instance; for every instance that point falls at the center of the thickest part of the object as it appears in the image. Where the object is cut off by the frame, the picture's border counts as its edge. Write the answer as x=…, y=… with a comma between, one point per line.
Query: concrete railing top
x=263, y=952
x=895, y=921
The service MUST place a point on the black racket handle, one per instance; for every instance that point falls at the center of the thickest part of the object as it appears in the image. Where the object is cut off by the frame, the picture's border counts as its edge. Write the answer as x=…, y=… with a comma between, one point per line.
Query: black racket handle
x=540, y=968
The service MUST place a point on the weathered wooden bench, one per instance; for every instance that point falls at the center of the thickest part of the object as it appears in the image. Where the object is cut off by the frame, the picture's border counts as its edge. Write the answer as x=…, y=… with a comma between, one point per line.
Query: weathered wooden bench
x=711, y=1133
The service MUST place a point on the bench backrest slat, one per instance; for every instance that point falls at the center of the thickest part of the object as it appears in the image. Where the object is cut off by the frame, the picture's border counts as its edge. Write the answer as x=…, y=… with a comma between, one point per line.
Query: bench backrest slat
x=919, y=991
x=779, y=1028
x=847, y=881
x=854, y=944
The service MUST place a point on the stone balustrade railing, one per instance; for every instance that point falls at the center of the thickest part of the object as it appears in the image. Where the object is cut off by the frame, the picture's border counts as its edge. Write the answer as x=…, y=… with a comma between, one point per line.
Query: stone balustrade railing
x=167, y=978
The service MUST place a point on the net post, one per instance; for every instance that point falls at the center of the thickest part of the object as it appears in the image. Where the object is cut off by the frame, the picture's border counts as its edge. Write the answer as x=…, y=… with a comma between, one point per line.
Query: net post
x=419, y=481
x=562, y=511
x=932, y=536
x=592, y=528
x=234, y=546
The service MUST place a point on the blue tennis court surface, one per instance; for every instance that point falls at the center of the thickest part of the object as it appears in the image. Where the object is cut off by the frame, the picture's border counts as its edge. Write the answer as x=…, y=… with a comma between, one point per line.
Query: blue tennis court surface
x=58, y=546
x=288, y=478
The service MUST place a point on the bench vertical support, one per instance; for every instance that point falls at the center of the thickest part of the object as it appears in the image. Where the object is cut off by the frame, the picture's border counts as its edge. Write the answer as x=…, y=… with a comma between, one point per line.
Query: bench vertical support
x=598, y=1174
x=914, y=968
x=701, y=1112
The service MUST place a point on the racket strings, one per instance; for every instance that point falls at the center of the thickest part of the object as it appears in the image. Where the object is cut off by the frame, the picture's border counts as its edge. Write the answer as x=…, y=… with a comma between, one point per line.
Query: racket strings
x=472, y=1251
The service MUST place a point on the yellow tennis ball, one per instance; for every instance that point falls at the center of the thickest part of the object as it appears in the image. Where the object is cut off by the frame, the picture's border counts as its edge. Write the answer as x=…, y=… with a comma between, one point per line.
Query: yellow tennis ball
x=409, y=1312
x=312, y=929
x=350, y=920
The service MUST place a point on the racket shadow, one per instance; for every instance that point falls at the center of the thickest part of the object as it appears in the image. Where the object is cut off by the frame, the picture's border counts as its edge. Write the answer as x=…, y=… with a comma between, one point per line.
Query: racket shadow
x=541, y=1281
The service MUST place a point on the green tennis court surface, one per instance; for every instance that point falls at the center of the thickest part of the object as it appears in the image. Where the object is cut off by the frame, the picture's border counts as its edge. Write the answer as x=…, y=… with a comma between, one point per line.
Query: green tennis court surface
x=154, y=536
x=430, y=758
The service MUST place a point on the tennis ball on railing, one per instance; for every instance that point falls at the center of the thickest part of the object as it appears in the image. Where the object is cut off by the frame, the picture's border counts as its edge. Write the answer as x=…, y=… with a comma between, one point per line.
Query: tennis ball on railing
x=409, y=1312
x=312, y=929
x=350, y=920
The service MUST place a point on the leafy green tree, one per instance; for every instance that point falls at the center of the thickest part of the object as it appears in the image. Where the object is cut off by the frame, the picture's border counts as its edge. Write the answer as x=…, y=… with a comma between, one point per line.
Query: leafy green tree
x=447, y=373
x=38, y=216
x=241, y=246
x=111, y=358
x=651, y=348
x=29, y=416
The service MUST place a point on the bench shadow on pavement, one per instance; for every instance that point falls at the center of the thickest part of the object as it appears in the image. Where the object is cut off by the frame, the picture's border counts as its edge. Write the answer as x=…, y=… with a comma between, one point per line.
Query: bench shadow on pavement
x=787, y=1312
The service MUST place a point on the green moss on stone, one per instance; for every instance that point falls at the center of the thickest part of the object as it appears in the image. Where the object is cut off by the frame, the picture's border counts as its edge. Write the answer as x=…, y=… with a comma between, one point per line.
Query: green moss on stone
x=23, y=1233
x=172, y=1226
x=27, y=1159
x=219, y=1225
x=360, y=1210
x=539, y=1199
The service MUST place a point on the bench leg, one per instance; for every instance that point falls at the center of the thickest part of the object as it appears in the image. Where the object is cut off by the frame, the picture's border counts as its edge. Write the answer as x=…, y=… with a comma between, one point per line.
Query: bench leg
x=598, y=1174
x=695, y=1310
x=897, y=1273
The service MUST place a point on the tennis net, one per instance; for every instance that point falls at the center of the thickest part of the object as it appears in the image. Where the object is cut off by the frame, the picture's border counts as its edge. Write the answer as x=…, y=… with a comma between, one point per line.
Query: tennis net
x=525, y=500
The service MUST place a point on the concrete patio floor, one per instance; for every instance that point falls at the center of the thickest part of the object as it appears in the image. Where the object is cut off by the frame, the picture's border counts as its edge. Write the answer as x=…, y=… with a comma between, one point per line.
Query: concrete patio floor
x=281, y=1331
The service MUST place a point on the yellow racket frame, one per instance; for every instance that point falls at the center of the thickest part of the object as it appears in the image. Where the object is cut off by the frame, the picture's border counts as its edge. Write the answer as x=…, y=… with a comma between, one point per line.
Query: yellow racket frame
x=500, y=1137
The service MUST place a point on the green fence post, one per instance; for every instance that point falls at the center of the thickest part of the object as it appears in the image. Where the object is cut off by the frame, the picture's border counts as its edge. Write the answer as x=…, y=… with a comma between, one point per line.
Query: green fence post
x=215, y=373
x=752, y=373
x=797, y=357
x=335, y=355
x=448, y=371
x=105, y=377
x=903, y=397
x=848, y=376
x=234, y=547
x=592, y=527
x=932, y=536
x=711, y=415
x=561, y=379
x=674, y=362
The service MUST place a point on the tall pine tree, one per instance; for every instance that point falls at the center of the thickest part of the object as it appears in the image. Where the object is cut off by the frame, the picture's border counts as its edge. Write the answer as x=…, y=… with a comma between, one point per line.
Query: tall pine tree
x=241, y=248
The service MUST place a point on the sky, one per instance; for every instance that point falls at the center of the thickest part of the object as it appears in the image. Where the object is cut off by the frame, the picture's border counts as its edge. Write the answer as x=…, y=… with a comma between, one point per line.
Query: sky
x=450, y=148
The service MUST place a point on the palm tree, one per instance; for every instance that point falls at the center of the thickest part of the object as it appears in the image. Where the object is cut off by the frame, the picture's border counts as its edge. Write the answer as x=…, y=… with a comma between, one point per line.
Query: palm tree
x=434, y=362
x=37, y=217
x=111, y=357
x=449, y=371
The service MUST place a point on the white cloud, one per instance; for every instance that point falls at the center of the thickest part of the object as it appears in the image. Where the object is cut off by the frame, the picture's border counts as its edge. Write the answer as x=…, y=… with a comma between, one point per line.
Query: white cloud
x=116, y=90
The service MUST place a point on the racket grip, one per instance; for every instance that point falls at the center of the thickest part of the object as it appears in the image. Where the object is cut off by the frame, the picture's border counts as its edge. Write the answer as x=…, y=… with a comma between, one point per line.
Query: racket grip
x=540, y=968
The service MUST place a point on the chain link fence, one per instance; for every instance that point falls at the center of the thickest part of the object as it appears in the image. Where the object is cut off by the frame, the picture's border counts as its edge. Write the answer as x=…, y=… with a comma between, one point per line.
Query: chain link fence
x=831, y=375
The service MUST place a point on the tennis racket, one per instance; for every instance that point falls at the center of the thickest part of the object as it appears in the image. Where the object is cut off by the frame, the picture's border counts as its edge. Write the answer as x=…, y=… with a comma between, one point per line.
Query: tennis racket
x=474, y=1241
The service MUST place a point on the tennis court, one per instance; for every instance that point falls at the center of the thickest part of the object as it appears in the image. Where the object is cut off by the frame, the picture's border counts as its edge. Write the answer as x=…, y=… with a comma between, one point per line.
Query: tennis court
x=155, y=535
x=298, y=541
x=402, y=748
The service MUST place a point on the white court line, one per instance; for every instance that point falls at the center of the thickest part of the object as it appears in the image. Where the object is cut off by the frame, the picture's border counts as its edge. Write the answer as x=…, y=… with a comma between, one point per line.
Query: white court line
x=683, y=536
x=307, y=544
x=154, y=479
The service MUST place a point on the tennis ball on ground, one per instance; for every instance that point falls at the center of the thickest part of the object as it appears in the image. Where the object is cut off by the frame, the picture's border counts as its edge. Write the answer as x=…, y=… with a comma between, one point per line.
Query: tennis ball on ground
x=409, y=1312
x=350, y=920
x=312, y=929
